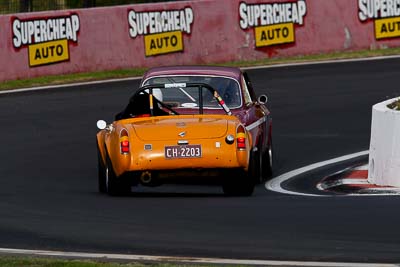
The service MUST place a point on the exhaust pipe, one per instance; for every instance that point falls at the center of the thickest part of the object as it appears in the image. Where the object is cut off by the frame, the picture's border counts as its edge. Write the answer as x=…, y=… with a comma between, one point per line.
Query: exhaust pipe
x=146, y=178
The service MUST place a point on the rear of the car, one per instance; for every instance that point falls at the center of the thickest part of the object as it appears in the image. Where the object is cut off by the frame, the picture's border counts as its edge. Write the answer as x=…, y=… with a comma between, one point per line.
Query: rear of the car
x=180, y=132
x=184, y=147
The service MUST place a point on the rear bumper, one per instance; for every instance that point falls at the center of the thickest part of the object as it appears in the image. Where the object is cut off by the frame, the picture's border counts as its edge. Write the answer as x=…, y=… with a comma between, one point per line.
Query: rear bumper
x=186, y=176
x=209, y=164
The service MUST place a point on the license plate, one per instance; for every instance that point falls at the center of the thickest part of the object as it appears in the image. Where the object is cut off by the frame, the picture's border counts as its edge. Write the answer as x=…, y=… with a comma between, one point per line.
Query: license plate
x=183, y=152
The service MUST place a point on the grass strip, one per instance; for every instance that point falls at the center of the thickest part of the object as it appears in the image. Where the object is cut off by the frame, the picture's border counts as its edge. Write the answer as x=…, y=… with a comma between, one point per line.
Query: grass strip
x=102, y=75
x=27, y=261
x=70, y=78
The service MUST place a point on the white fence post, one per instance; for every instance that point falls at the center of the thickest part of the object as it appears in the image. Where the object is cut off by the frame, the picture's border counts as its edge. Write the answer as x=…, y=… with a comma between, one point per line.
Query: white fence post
x=384, y=152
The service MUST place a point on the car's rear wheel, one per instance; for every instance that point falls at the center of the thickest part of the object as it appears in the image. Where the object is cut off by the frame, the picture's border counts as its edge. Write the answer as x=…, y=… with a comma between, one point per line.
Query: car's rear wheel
x=267, y=161
x=257, y=169
x=115, y=186
x=239, y=185
x=101, y=173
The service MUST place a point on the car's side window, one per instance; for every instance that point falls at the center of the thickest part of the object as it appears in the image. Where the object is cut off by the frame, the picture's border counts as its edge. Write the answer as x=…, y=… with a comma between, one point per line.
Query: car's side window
x=246, y=89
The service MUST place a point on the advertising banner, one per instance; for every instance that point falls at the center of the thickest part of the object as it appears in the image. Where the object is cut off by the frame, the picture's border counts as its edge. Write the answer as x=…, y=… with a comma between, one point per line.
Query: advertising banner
x=190, y=32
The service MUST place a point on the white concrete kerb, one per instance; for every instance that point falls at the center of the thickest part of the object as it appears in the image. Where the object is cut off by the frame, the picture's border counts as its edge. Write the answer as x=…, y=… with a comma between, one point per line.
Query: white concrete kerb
x=384, y=152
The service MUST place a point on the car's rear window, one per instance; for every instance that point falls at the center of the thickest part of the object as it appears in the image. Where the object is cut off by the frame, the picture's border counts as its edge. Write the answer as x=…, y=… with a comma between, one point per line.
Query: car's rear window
x=187, y=97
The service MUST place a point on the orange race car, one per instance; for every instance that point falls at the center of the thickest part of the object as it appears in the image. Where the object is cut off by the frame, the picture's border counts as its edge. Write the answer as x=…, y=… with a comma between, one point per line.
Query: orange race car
x=188, y=125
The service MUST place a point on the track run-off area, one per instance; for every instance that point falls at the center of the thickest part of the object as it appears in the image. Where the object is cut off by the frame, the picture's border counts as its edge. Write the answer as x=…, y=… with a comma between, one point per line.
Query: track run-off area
x=49, y=201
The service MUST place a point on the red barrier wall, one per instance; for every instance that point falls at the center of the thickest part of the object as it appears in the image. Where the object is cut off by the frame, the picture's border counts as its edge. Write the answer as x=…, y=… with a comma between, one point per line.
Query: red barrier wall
x=213, y=34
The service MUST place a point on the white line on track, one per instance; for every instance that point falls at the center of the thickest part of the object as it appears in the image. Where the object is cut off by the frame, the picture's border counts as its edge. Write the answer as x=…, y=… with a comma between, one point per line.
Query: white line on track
x=39, y=88
x=276, y=183
x=191, y=260
x=362, y=168
x=244, y=68
x=322, y=62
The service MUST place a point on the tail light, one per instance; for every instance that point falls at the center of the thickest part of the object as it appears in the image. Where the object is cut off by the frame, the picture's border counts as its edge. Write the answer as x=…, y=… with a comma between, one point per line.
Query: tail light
x=124, y=141
x=241, y=138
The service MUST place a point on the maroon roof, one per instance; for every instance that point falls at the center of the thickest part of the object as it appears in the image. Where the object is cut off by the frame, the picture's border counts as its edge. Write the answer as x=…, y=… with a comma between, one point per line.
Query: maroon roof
x=231, y=72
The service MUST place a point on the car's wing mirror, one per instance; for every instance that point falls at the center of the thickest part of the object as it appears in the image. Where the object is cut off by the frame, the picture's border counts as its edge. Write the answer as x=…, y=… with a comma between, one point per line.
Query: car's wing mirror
x=101, y=124
x=262, y=99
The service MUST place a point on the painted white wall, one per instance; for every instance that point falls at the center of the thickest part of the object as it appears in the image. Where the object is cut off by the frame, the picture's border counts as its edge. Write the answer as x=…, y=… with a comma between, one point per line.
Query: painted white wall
x=384, y=152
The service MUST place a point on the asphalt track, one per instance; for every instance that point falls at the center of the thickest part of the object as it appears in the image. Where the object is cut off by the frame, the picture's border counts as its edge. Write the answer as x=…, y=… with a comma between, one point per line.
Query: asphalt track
x=49, y=198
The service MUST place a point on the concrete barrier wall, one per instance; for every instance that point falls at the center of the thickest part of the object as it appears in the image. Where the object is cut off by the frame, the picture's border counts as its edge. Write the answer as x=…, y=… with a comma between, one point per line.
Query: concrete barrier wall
x=198, y=32
x=384, y=153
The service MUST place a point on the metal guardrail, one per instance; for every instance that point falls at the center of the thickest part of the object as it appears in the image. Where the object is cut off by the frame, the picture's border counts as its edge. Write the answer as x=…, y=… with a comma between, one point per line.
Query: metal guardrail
x=17, y=6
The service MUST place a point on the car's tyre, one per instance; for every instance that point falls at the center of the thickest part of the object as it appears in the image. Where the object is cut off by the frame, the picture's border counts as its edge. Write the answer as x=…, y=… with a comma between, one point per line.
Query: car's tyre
x=101, y=173
x=268, y=161
x=256, y=168
x=115, y=186
x=239, y=185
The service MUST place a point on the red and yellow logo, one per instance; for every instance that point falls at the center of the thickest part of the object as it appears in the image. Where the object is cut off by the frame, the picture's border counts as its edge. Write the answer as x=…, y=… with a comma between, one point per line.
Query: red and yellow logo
x=46, y=39
x=162, y=31
x=273, y=23
x=384, y=13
